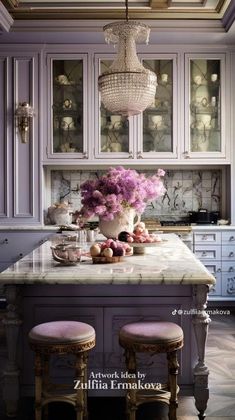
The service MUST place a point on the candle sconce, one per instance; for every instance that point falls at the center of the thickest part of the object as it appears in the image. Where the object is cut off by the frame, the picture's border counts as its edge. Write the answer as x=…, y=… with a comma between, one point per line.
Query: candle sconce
x=23, y=114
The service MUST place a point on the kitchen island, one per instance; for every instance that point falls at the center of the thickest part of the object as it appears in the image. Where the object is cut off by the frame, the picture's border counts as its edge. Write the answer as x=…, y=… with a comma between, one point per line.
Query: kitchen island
x=166, y=283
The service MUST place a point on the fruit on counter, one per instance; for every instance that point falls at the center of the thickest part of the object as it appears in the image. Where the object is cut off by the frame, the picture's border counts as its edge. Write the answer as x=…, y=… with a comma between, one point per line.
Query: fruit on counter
x=110, y=248
x=107, y=252
x=95, y=250
x=140, y=235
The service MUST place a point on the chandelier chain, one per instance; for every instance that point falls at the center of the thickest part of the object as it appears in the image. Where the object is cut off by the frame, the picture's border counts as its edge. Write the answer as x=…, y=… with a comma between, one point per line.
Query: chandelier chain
x=127, y=11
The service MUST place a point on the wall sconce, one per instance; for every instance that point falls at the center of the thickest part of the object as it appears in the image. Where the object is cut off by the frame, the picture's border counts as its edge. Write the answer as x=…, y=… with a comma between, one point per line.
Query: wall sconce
x=23, y=113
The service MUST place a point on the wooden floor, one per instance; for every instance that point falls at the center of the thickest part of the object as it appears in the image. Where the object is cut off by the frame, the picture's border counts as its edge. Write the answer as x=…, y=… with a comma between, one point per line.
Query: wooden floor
x=221, y=405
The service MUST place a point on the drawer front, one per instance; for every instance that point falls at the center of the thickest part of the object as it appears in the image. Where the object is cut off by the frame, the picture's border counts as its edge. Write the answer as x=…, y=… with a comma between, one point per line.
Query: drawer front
x=207, y=238
x=216, y=289
x=228, y=285
x=228, y=237
x=208, y=253
x=214, y=267
x=228, y=252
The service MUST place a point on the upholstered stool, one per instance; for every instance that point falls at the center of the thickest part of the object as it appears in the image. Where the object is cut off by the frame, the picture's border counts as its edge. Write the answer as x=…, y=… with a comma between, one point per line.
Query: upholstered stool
x=152, y=337
x=61, y=337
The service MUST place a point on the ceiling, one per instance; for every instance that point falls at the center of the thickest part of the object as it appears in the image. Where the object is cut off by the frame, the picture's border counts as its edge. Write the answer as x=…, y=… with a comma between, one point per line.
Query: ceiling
x=115, y=9
x=171, y=21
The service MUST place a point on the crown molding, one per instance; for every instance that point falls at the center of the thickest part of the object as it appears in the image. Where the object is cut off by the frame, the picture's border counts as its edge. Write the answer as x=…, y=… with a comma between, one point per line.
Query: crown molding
x=6, y=20
x=229, y=16
x=205, y=26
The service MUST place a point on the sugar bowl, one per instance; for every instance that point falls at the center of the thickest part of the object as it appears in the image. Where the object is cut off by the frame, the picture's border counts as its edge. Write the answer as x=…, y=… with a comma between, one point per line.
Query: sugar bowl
x=67, y=254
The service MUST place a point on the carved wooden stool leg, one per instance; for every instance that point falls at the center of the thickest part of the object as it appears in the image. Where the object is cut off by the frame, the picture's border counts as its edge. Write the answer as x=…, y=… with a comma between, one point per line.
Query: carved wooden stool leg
x=45, y=381
x=38, y=386
x=173, y=372
x=80, y=374
x=131, y=405
x=85, y=356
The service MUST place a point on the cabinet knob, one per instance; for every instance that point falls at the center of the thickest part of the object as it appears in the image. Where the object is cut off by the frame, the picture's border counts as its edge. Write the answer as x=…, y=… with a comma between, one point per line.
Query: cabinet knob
x=231, y=254
x=139, y=155
x=6, y=241
x=204, y=254
x=232, y=238
x=130, y=155
x=21, y=255
x=204, y=237
x=219, y=270
x=230, y=269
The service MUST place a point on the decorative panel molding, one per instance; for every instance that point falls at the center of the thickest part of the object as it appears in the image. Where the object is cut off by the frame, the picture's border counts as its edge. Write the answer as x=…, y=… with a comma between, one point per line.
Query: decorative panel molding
x=24, y=182
x=4, y=137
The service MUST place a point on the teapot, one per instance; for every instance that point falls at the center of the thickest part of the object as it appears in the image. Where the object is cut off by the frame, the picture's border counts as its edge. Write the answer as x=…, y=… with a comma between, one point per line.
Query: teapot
x=66, y=253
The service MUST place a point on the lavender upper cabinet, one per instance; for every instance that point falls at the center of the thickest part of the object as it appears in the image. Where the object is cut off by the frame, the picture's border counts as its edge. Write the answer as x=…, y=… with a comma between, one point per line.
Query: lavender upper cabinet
x=149, y=135
x=19, y=162
x=157, y=125
x=114, y=134
x=205, y=100
x=68, y=116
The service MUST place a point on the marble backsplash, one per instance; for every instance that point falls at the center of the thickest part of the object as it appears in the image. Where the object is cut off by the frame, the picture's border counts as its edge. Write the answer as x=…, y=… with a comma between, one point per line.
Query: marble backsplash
x=187, y=190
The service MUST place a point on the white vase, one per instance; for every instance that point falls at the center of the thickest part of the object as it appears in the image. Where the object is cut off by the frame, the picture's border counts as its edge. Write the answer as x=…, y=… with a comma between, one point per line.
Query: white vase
x=122, y=222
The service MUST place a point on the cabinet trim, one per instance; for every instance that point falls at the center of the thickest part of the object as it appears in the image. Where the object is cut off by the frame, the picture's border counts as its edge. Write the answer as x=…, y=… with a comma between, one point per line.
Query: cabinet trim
x=6, y=135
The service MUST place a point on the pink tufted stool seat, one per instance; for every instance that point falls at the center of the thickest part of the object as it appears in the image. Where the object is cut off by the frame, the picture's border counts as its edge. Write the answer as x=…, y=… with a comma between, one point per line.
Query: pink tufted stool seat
x=61, y=337
x=152, y=337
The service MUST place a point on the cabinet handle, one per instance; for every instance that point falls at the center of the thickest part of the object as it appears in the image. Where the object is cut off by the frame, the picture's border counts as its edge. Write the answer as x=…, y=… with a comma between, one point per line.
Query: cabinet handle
x=85, y=155
x=186, y=154
x=230, y=269
x=139, y=155
x=6, y=241
x=231, y=254
x=130, y=155
x=232, y=238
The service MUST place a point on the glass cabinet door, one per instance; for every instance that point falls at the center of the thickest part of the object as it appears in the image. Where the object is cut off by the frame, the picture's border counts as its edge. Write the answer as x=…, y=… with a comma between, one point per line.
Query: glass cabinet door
x=205, y=109
x=157, y=125
x=113, y=130
x=67, y=108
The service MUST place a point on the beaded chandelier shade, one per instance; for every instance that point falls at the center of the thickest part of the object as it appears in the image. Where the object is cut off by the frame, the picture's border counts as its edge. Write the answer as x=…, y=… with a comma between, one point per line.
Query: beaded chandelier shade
x=127, y=87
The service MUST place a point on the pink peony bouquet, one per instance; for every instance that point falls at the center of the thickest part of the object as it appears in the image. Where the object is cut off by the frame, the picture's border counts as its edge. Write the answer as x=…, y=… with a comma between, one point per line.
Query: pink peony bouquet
x=119, y=189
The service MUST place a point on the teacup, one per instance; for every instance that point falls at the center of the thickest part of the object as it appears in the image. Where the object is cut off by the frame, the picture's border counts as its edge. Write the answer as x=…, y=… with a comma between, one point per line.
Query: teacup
x=62, y=79
x=214, y=77
x=164, y=77
x=66, y=253
x=157, y=120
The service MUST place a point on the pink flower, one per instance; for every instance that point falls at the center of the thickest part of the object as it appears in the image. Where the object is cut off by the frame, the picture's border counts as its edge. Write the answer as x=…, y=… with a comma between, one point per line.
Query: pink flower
x=120, y=188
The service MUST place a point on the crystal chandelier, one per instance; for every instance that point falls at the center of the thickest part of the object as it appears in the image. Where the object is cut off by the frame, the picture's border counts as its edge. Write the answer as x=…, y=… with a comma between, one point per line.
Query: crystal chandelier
x=127, y=87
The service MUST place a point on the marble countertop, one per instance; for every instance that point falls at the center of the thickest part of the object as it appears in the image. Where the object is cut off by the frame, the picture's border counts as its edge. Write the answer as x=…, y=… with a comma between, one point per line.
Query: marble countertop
x=55, y=228
x=169, y=262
